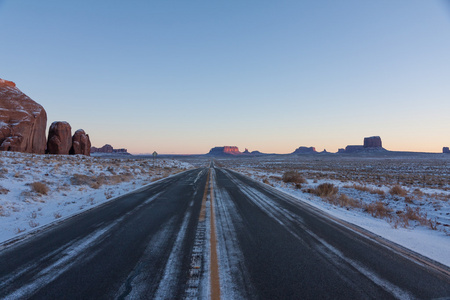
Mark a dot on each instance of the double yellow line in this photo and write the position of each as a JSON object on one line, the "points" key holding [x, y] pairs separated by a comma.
{"points": [[214, 263]]}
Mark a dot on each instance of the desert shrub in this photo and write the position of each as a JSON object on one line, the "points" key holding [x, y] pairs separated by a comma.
{"points": [[3, 212], [40, 188], [378, 210], [418, 192], [293, 176], [346, 201], [326, 190], [398, 190], [57, 215], [80, 179]]}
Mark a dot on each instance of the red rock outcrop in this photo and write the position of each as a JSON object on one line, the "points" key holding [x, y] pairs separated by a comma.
{"points": [[22, 121], [233, 150], [59, 138], [81, 144]]}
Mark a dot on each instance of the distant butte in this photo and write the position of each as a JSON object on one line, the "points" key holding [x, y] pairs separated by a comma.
{"points": [[371, 144], [225, 150], [305, 150]]}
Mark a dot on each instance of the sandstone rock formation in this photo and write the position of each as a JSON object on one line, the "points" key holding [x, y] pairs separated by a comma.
{"points": [[372, 142], [246, 151], [22, 121], [59, 138], [446, 150], [105, 149], [109, 149], [81, 143], [233, 150], [305, 150]]}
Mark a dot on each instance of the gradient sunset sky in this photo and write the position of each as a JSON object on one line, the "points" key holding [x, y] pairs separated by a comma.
{"points": [[185, 76]]}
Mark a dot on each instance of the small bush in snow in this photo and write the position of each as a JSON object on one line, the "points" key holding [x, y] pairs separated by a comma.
{"points": [[40, 188], [398, 190], [326, 190], [293, 176], [3, 191]]}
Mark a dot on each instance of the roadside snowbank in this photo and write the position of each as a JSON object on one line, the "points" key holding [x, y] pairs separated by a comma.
{"points": [[38, 189]]}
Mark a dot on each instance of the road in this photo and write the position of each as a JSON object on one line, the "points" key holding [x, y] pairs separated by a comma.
{"points": [[213, 233]]}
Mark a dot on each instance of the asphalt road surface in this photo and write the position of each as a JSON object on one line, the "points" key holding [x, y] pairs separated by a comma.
{"points": [[213, 233]]}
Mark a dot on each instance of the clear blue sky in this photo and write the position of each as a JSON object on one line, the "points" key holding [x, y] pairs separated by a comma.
{"points": [[184, 76]]}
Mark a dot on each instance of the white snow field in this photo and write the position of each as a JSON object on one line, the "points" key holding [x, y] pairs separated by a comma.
{"points": [[36, 190]]}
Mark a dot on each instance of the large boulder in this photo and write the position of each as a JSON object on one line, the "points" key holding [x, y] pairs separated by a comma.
{"points": [[59, 138], [81, 143], [372, 142], [22, 121]]}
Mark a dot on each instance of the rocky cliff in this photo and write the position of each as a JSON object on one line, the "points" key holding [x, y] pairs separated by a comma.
{"points": [[22, 121]]}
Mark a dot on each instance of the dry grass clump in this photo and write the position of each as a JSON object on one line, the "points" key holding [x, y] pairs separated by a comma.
{"points": [[96, 182], [293, 176], [40, 188], [398, 190], [325, 190], [364, 188], [3, 212], [3, 191], [378, 210], [344, 201]]}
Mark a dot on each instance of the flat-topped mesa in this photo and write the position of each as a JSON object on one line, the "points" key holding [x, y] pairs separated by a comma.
{"points": [[305, 150], [232, 150], [109, 149], [446, 150], [22, 121], [372, 142], [105, 149]]}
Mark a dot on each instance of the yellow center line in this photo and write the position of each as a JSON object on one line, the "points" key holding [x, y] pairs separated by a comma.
{"points": [[203, 208], [215, 282]]}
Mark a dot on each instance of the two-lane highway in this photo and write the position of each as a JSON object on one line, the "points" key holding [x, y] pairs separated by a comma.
{"points": [[210, 233]]}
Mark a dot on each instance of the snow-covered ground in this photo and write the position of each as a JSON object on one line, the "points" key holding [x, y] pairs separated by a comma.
{"points": [[425, 229], [36, 190]]}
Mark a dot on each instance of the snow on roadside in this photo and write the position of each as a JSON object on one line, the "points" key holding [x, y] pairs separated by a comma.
{"points": [[36, 190], [434, 244]]}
